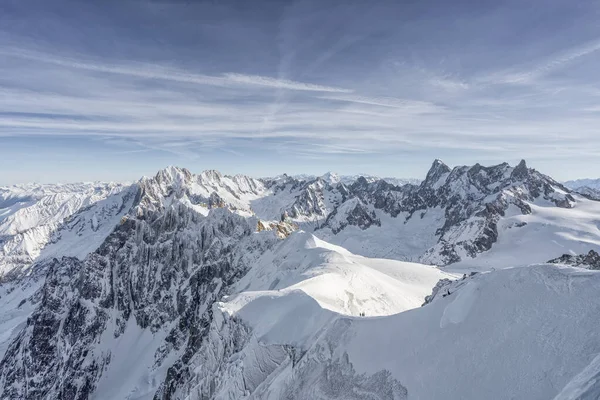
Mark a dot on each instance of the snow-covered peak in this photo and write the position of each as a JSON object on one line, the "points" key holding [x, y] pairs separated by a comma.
{"points": [[174, 177], [32, 215], [332, 178], [211, 177], [437, 173], [583, 183]]}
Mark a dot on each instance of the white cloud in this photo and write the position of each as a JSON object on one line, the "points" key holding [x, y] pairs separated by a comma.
{"points": [[449, 84], [558, 61], [69, 98], [413, 106], [280, 83], [150, 71]]}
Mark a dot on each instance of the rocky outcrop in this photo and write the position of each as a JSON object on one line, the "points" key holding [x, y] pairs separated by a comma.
{"points": [[353, 212], [160, 270], [589, 261], [283, 228], [472, 199], [173, 246]]}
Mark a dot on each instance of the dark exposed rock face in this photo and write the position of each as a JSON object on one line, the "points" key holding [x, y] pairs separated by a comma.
{"points": [[353, 213], [589, 261], [472, 199], [165, 265], [161, 269]]}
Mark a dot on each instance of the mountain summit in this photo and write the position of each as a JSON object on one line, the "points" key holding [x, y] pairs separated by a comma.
{"points": [[208, 286]]}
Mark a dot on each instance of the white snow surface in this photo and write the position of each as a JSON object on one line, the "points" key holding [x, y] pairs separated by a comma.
{"points": [[581, 183], [336, 279], [396, 238], [504, 334], [549, 233], [519, 329], [35, 220]]}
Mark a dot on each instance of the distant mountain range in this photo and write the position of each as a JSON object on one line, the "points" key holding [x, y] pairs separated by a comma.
{"points": [[208, 286], [334, 178], [580, 183]]}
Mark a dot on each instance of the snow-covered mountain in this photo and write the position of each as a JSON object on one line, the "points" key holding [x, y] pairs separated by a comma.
{"points": [[334, 178], [587, 187], [206, 286], [582, 183], [453, 216], [34, 220], [493, 335]]}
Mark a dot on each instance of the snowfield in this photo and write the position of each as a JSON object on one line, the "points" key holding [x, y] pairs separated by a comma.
{"points": [[529, 239], [504, 334], [207, 286], [33, 217], [336, 279]]}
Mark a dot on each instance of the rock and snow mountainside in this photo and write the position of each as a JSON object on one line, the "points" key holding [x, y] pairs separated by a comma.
{"points": [[503, 334], [590, 260], [34, 216], [139, 305], [334, 178], [451, 217], [583, 183], [511, 215], [185, 286], [40, 222], [151, 286]]}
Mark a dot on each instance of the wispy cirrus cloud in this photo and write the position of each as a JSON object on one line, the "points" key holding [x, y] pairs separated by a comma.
{"points": [[413, 106], [555, 62], [150, 71], [333, 84], [281, 83]]}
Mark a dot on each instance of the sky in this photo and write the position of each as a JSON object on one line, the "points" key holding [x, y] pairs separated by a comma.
{"points": [[113, 90]]}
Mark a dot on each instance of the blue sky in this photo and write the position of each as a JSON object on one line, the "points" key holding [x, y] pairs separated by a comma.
{"points": [[112, 90]]}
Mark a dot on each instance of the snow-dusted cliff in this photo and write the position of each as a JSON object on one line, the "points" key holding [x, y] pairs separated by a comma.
{"points": [[206, 286]]}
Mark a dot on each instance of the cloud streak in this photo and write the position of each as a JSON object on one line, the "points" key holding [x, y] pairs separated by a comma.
{"points": [[557, 62], [149, 71], [278, 85]]}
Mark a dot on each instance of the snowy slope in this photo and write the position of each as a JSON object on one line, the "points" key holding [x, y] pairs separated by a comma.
{"points": [[581, 183], [31, 216], [505, 334], [194, 286], [18, 302], [547, 231], [337, 279]]}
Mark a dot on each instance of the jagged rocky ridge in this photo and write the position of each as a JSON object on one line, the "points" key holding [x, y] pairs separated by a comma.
{"points": [[469, 200], [459, 209], [589, 261], [159, 270], [177, 242], [33, 218]]}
